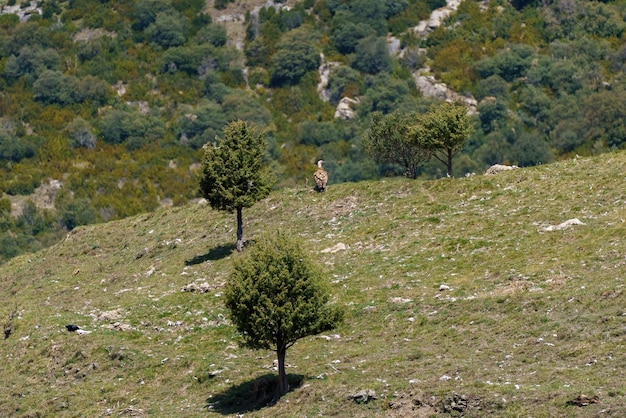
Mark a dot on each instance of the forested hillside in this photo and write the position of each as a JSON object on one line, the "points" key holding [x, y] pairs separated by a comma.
{"points": [[105, 105]]}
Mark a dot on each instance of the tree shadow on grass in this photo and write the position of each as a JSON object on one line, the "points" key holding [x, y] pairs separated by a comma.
{"points": [[214, 254], [252, 395]]}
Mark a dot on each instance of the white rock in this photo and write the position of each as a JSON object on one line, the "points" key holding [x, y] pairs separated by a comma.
{"points": [[563, 225], [345, 108], [400, 300], [498, 168], [340, 246]]}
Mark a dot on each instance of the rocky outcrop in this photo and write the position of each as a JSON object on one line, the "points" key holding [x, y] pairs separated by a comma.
{"points": [[324, 73], [23, 13], [436, 18], [427, 83], [345, 108], [430, 87]]}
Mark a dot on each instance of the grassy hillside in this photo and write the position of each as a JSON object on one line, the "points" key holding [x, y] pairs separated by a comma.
{"points": [[462, 296]]}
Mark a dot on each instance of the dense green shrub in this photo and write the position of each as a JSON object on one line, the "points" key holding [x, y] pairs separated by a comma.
{"points": [[509, 64], [296, 55], [167, 30], [14, 149], [120, 125], [221, 4], [214, 34], [371, 55], [530, 148], [80, 134], [75, 212], [319, 133], [146, 12]]}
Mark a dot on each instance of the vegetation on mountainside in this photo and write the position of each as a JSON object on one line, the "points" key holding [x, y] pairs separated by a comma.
{"points": [[115, 99], [460, 296]]}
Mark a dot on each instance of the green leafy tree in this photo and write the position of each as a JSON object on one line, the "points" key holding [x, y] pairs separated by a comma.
{"points": [[372, 55], [234, 173], [276, 296], [75, 212], [347, 33], [146, 12], [80, 134], [55, 87], [296, 55], [445, 129], [129, 126], [388, 142], [14, 149], [215, 34], [386, 94], [167, 30]]}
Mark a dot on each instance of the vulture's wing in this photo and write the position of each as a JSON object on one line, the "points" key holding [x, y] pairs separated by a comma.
{"points": [[321, 178]]}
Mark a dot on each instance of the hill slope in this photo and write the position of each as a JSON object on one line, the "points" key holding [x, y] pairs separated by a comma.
{"points": [[462, 296]]}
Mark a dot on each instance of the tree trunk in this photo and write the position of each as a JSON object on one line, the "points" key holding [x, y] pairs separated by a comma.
{"points": [[449, 162], [283, 384], [239, 230]]}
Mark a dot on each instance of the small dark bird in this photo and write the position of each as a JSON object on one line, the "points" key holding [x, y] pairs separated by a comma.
{"points": [[321, 177], [72, 327]]}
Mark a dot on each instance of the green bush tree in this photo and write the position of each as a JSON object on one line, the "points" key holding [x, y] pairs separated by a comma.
{"points": [[388, 142], [146, 12], [55, 87], [276, 296], [129, 125], [296, 55], [214, 34], [445, 129], [347, 33], [75, 212], [372, 55], [80, 134], [14, 149], [167, 30], [234, 174]]}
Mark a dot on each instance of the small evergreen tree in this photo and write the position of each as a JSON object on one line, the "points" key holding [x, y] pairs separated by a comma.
{"points": [[276, 296], [234, 173]]}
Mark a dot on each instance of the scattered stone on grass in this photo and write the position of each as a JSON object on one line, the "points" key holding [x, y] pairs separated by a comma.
{"points": [[498, 168], [201, 286], [340, 246], [363, 396], [400, 300], [563, 225]]}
